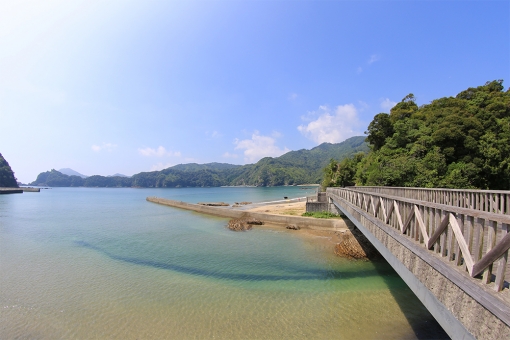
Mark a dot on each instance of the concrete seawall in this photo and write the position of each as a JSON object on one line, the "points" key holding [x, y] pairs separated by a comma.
{"points": [[302, 222], [19, 190]]}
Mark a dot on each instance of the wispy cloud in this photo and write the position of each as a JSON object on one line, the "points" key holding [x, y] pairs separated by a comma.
{"points": [[359, 70], [374, 58], [332, 126], [387, 104], [158, 152], [292, 96], [213, 134], [105, 146], [230, 155], [259, 146]]}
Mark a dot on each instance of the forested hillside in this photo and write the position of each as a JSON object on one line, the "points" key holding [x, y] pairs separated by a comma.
{"points": [[295, 167], [7, 179], [453, 142]]}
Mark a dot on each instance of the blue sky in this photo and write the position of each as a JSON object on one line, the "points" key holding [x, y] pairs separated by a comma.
{"points": [[107, 87]]}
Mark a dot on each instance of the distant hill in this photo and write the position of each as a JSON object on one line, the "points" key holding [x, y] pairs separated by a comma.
{"points": [[117, 175], [7, 179], [54, 178], [207, 166], [294, 167], [71, 172]]}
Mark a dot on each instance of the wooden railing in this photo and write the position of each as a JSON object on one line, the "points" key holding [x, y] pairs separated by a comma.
{"points": [[464, 234], [496, 201]]}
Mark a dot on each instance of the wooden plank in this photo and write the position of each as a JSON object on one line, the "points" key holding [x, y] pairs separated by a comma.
{"points": [[419, 219], [408, 221], [444, 235], [458, 257], [468, 233], [383, 209], [399, 218], [390, 211], [437, 223], [491, 239], [478, 239], [376, 207], [462, 243], [502, 263], [439, 231], [450, 242], [492, 255]]}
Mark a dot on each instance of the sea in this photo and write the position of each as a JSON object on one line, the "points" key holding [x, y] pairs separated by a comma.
{"points": [[103, 263]]}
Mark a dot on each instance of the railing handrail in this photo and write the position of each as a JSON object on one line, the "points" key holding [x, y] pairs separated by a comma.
{"points": [[473, 238], [435, 189], [482, 200], [503, 218]]}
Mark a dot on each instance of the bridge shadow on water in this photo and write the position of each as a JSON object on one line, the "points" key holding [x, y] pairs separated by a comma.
{"points": [[294, 273], [412, 308], [410, 305]]}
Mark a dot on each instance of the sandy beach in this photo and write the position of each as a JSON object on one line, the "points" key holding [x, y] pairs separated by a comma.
{"points": [[293, 208], [340, 241], [328, 238]]}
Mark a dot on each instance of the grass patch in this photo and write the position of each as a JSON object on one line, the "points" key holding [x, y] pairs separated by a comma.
{"points": [[320, 214]]}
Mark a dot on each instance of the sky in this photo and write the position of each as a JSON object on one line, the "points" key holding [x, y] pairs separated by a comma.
{"points": [[107, 87]]}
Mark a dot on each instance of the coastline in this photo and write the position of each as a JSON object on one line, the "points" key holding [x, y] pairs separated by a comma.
{"points": [[230, 212], [277, 215]]}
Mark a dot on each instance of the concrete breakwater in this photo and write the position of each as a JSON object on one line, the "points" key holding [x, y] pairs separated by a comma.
{"points": [[302, 222], [18, 190]]}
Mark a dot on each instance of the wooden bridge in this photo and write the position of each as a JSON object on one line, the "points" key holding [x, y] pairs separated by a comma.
{"points": [[449, 246]]}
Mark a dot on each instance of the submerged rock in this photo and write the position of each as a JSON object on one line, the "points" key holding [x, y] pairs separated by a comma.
{"points": [[243, 224]]}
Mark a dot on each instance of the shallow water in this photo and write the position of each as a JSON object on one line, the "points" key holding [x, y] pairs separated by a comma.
{"points": [[104, 263]]}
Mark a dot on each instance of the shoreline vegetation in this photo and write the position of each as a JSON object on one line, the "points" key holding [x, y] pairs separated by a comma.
{"points": [[460, 142]]}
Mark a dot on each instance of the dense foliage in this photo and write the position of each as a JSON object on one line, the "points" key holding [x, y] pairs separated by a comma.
{"points": [[7, 179], [55, 178], [295, 167], [453, 142]]}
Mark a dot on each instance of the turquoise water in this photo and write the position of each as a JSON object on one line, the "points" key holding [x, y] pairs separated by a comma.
{"points": [[104, 263]]}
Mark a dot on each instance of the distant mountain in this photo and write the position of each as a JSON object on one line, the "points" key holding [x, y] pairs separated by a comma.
{"points": [[206, 166], [294, 167], [71, 172], [7, 179], [117, 175], [55, 178]]}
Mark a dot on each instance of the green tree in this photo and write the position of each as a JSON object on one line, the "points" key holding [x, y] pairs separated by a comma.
{"points": [[7, 179], [378, 130], [453, 142]]}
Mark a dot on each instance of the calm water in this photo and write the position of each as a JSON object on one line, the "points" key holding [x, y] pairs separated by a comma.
{"points": [[104, 263]]}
